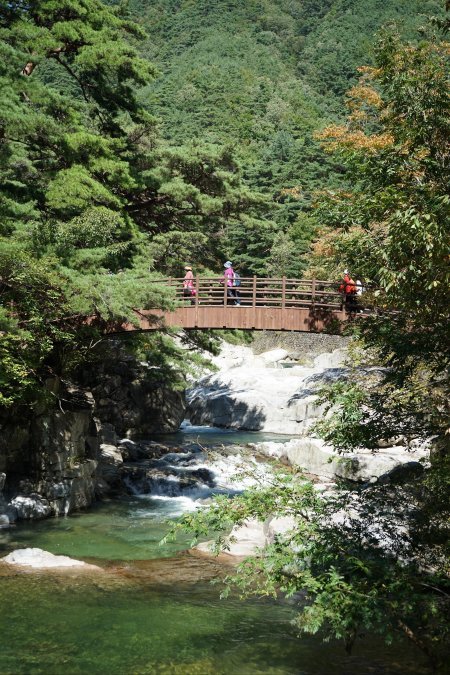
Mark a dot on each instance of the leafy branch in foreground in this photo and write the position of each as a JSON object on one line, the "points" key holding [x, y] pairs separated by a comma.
{"points": [[351, 564]]}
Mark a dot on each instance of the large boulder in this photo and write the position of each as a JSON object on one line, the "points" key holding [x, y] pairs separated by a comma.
{"points": [[258, 395], [392, 465], [247, 539], [33, 507], [314, 456], [110, 463], [274, 356]]}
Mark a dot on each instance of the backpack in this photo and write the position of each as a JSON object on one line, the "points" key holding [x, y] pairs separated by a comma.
{"points": [[236, 279], [350, 287]]}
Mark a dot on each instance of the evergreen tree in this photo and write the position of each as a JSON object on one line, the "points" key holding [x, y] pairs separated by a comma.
{"points": [[90, 197]]}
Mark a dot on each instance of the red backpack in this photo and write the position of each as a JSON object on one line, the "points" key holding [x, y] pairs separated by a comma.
{"points": [[350, 286]]}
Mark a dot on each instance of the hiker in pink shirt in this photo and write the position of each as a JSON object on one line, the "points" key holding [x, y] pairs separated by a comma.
{"points": [[228, 279], [188, 285]]}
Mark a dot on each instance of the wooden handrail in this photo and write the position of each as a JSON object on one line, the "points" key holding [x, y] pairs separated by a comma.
{"points": [[282, 292]]}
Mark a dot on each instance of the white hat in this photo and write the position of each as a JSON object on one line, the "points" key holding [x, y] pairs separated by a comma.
{"points": [[228, 264]]}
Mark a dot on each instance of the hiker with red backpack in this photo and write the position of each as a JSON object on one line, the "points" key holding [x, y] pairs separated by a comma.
{"points": [[349, 289]]}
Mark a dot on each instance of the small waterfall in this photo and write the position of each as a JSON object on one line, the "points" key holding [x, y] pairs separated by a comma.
{"points": [[190, 476]]}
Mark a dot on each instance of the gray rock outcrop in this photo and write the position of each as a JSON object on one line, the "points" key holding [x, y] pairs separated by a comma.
{"points": [[131, 397], [314, 456], [58, 460], [50, 459], [263, 393]]}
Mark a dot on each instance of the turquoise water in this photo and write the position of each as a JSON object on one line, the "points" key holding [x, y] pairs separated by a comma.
{"points": [[51, 625], [126, 529], [214, 436], [153, 610]]}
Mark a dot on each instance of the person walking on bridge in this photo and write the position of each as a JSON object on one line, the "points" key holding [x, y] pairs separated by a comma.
{"points": [[188, 284], [348, 288], [228, 279]]}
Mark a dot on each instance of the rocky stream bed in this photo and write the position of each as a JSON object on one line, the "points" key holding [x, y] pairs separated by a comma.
{"points": [[139, 606]]}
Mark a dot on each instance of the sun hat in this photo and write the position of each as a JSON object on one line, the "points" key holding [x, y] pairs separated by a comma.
{"points": [[188, 267], [228, 264]]}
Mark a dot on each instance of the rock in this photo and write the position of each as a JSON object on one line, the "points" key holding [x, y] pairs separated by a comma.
{"points": [[257, 396], [274, 355], [310, 454], [314, 456], [58, 490], [276, 526], [128, 400], [246, 539], [389, 465], [39, 559], [390, 442], [82, 488], [132, 451], [402, 472], [28, 508], [129, 450], [110, 455], [204, 476], [4, 521], [107, 434], [335, 359]]}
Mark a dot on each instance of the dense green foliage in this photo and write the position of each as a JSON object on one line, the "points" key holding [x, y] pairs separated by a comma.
{"points": [[91, 202], [262, 76], [98, 194], [97, 198], [392, 231]]}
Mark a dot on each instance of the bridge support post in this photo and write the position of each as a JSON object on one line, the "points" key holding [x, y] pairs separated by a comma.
{"points": [[254, 300], [197, 292]]}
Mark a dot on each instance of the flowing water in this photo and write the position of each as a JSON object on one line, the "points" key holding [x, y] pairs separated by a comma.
{"points": [[154, 609]]}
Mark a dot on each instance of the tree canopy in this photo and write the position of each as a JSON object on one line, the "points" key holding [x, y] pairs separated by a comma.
{"points": [[392, 230], [92, 200]]}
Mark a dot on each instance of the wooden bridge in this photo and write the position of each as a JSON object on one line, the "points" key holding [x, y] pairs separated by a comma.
{"points": [[257, 304]]}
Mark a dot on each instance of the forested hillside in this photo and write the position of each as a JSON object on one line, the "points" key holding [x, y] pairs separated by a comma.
{"points": [[91, 200], [261, 77]]}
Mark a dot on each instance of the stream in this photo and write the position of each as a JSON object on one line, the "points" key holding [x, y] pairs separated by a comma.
{"points": [[154, 610]]}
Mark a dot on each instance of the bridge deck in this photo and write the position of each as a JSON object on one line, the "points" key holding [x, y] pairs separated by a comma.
{"points": [[264, 304]]}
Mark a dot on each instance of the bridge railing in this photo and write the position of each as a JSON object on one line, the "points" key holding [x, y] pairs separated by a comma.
{"points": [[281, 292]]}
